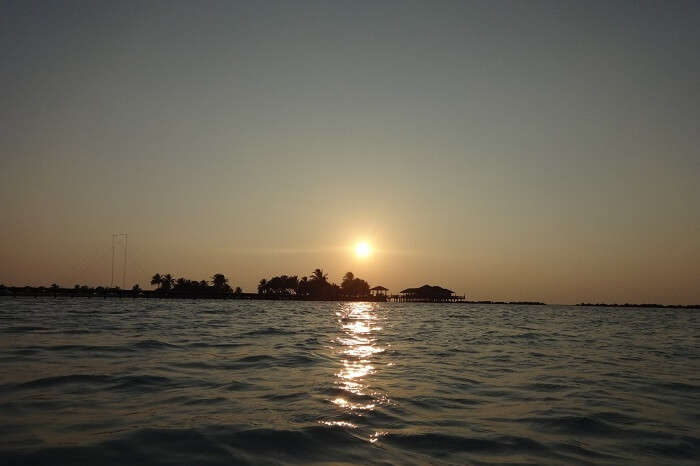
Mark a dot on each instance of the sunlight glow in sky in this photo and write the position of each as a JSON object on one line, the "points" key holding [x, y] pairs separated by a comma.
{"points": [[363, 249]]}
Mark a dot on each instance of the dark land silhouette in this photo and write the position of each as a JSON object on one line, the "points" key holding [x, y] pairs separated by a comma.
{"points": [[652, 305], [314, 287]]}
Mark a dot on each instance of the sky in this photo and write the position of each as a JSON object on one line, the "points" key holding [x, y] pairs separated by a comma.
{"points": [[507, 150]]}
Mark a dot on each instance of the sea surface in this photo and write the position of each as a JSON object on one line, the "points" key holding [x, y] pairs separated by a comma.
{"points": [[131, 381]]}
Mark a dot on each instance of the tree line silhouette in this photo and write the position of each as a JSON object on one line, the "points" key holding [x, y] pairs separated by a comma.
{"points": [[219, 286], [283, 287], [315, 286]]}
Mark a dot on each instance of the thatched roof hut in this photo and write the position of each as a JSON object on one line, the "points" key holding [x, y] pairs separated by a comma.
{"points": [[427, 292]]}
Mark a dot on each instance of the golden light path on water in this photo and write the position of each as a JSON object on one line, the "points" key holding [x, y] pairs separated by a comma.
{"points": [[356, 347]]}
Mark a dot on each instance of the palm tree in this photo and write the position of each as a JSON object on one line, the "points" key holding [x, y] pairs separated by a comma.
{"points": [[157, 280], [219, 281], [319, 275], [303, 287], [347, 282], [262, 286], [292, 284], [167, 282]]}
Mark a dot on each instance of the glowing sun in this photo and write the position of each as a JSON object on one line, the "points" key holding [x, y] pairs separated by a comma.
{"points": [[363, 249]]}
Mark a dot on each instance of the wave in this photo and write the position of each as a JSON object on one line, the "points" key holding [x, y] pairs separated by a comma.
{"points": [[266, 361], [685, 447], [201, 344], [608, 424], [90, 348], [66, 379], [578, 425], [434, 442], [285, 396], [84, 383], [237, 385], [126, 348], [255, 358], [152, 344], [268, 331], [23, 329], [210, 446], [545, 387], [679, 387]]}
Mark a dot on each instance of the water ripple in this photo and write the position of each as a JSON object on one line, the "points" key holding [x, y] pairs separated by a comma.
{"points": [[221, 382]]}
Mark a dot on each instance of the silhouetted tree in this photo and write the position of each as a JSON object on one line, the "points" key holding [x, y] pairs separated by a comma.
{"points": [[303, 287], [157, 280], [274, 285], [262, 286], [348, 277], [318, 275], [319, 288], [219, 281], [284, 285], [186, 287], [193, 288], [220, 284], [167, 282], [353, 287]]}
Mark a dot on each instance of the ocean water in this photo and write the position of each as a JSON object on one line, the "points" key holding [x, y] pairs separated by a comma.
{"points": [[93, 381]]}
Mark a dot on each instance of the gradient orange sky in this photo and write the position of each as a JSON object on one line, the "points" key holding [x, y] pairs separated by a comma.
{"points": [[506, 150]]}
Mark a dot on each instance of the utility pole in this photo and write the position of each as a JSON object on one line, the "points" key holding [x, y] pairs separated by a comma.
{"points": [[111, 281], [126, 241], [116, 237]]}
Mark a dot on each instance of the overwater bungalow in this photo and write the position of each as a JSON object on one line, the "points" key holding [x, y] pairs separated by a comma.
{"points": [[427, 294]]}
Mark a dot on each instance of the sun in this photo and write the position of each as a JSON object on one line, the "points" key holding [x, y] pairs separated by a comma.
{"points": [[363, 249]]}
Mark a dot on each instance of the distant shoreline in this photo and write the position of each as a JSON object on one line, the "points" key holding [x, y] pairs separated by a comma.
{"points": [[37, 292], [661, 306], [44, 292]]}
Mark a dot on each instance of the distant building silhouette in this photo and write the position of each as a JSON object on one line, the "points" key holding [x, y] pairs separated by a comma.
{"points": [[428, 294]]}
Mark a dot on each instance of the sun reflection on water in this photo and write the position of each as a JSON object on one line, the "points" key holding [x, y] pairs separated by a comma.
{"points": [[339, 423], [356, 347]]}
